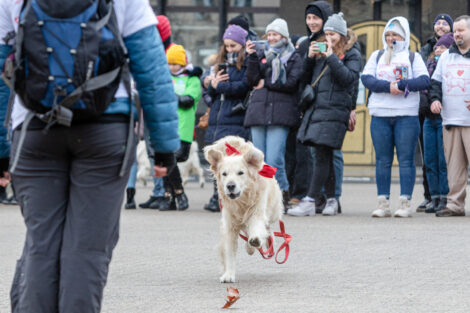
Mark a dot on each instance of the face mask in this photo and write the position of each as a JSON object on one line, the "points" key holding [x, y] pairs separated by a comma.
{"points": [[399, 46]]}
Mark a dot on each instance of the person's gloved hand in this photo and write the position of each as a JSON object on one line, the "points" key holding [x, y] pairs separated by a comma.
{"points": [[164, 164]]}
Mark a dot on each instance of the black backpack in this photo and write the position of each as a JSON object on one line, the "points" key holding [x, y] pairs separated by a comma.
{"points": [[67, 62]]}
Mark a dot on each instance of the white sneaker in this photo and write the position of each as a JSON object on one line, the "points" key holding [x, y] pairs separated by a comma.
{"points": [[383, 208], [331, 207], [405, 208], [305, 207]]}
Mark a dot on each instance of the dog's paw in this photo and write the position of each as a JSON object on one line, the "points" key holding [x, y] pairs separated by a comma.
{"points": [[255, 242], [227, 278], [249, 249]]}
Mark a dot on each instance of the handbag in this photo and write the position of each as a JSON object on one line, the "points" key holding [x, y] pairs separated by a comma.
{"points": [[204, 120], [308, 94], [242, 105]]}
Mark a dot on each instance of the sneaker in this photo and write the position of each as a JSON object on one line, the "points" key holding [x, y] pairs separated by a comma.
{"points": [[404, 209], [422, 206], [447, 213], [182, 201], [304, 208], [331, 207], [432, 208], [383, 208]]}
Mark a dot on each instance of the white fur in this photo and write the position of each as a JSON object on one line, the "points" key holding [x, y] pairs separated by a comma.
{"points": [[250, 202], [192, 166]]}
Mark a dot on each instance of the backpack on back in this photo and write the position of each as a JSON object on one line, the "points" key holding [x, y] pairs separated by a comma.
{"points": [[68, 59]]}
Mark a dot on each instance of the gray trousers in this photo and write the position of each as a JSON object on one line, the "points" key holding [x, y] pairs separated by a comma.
{"points": [[68, 186]]}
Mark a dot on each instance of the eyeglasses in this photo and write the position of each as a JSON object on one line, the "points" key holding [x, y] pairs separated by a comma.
{"points": [[443, 23]]}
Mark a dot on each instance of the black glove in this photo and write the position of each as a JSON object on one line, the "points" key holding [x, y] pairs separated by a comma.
{"points": [[167, 160], [185, 102], [4, 164]]}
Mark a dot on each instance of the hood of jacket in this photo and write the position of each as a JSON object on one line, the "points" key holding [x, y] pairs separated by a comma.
{"points": [[406, 27], [326, 11], [352, 41]]}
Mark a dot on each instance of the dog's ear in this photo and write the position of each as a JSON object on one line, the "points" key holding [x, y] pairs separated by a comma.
{"points": [[254, 158], [212, 156]]}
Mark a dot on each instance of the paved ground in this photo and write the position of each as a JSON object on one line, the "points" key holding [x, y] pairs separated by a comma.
{"points": [[167, 262]]}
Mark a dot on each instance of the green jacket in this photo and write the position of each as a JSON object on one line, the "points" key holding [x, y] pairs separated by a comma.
{"points": [[187, 86]]}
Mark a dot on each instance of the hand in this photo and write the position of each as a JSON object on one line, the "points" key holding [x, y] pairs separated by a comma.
{"points": [[164, 164], [329, 48], [260, 84], [160, 171], [394, 89], [207, 80], [5, 180], [250, 47], [313, 49], [436, 107], [467, 102], [219, 77], [352, 121]]}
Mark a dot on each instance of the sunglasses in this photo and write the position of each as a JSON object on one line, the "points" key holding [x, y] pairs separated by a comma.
{"points": [[443, 23]]}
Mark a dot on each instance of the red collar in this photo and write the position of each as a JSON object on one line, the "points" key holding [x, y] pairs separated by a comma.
{"points": [[267, 170]]}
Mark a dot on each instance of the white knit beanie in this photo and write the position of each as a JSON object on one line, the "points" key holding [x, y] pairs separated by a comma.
{"points": [[395, 27], [336, 23], [279, 26]]}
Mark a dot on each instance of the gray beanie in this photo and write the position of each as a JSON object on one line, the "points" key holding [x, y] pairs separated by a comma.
{"points": [[279, 26], [336, 23]]}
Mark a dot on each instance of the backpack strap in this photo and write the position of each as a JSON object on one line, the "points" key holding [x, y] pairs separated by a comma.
{"points": [[24, 128]]}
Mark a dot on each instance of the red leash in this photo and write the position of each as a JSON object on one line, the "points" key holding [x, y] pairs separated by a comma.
{"points": [[267, 171]]}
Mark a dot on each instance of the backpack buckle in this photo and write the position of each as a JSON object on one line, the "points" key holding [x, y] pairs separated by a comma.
{"points": [[63, 115]]}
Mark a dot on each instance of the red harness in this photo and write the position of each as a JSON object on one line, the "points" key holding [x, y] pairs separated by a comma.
{"points": [[267, 171]]}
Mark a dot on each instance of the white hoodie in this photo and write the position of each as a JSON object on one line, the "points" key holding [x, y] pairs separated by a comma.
{"points": [[386, 104]]}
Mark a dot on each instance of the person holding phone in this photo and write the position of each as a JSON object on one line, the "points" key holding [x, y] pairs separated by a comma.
{"points": [[274, 73], [227, 90], [326, 120]]}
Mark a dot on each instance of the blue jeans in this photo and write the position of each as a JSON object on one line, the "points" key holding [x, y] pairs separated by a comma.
{"points": [[338, 164], [133, 176], [436, 167], [402, 133], [271, 140], [158, 190]]}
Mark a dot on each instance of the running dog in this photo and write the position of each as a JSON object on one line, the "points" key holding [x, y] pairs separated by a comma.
{"points": [[250, 202]]}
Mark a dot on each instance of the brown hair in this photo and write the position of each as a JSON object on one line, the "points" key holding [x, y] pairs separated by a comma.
{"points": [[221, 58], [340, 48]]}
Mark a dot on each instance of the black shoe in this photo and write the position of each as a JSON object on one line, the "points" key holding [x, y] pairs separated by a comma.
{"points": [[442, 204], [130, 202], [168, 204], [432, 207], [339, 207], [155, 205], [320, 204], [447, 213], [182, 201], [146, 204], [422, 206], [213, 204]]}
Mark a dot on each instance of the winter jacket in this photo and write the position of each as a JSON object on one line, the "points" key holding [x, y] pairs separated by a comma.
{"points": [[377, 76], [425, 99], [4, 95], [188, 90], [273, 104], [222, 122], [326, 10], [428, 48], [325, 122]]}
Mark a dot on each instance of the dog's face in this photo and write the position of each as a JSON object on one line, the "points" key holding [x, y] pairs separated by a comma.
{"points": [[235, 173]]}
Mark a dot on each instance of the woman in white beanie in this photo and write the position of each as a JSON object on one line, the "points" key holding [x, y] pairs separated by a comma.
{"points": [[395, 77], [272, 111], [325, 121]]}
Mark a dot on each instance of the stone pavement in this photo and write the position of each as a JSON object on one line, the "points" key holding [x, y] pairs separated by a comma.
{"points": [[167, 261]]}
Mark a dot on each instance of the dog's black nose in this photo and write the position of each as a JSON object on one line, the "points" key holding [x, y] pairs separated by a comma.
{"points": [[231, 186]]}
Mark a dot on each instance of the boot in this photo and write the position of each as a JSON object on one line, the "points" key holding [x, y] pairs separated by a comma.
{"points": [[285, 200], [168, 203], [432, 208], [181, 201], [147, 204], [213, 204], [442, 204], [130, 203]]}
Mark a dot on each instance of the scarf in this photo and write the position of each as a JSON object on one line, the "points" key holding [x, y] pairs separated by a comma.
{"points": [[232, 58], [397, 47], [277, 55]]}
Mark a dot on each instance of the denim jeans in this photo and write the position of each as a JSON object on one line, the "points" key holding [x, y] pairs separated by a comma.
{"points": [[402, 133], [133, 176], [436, 167], [158, 189], [338, 164], [271, 140]]}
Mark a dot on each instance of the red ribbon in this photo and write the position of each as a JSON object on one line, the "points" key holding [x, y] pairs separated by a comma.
{"points": [[231, 150], [267, 170]]}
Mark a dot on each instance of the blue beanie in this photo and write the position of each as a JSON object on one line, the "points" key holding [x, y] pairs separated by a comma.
{"points": [[446, 17]]}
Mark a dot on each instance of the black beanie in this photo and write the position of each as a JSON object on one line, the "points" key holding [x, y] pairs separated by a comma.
{"points": [[241, 21], [313, 9]]}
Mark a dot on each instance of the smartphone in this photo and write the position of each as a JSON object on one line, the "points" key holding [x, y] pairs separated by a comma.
{"points": [[260, 44], [222, 67], [321, 46]]}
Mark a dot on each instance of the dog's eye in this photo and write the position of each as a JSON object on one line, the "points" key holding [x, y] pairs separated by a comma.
{"points": [[240, 173], [224, 174]]}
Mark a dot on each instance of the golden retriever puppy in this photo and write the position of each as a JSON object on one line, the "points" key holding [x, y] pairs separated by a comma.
{"points": [[250, 202]]}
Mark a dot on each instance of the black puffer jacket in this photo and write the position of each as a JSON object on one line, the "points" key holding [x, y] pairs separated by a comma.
{"points": [[325, 122], [273, 105]]}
